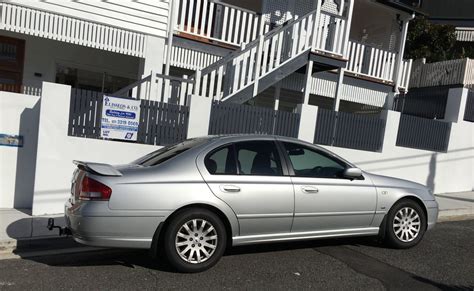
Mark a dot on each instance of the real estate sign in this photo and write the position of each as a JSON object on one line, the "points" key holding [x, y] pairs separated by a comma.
{"points": [[120, 118]]}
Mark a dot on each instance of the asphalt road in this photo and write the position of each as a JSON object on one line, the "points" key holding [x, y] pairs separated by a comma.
{"points": [[443, 260]]}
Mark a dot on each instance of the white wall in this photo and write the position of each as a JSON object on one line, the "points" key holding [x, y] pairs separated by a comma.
{"points": [[145, 16], [57, 150], [42, 56], [18, 116], [452, 171]]}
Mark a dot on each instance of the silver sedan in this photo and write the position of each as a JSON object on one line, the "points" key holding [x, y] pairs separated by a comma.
{"points": [[194, 199]]}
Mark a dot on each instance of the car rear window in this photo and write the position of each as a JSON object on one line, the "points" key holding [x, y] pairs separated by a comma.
{"points": [[168, 152]]}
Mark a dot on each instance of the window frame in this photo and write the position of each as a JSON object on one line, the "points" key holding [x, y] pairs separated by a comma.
{"points": [[314, 149]]}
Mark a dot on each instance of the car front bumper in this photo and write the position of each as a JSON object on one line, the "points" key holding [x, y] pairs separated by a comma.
{"points": [[432, 213]]}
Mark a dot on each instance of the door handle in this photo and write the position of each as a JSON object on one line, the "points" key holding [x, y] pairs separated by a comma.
{"points": [[309, 189], [229, 188]]}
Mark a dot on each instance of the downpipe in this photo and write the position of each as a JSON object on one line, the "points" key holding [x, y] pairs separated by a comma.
{"points": [[62, 230]]}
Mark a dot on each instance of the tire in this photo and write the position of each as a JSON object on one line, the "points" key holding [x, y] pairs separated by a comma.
{"points": [[189, 247], [405, 224]]}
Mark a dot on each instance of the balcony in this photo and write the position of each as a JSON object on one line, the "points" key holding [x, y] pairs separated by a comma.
{"points": [[377, 64]]}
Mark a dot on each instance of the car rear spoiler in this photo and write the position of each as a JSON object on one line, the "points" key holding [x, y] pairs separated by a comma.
{"points": [[98, 168]]}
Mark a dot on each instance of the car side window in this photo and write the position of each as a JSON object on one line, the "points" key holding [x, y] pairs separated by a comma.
{"points": [[258, 158], [308, 162], [221, 161]]}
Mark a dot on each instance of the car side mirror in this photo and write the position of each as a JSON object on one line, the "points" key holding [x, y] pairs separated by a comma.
{"points": [[353, 173]]}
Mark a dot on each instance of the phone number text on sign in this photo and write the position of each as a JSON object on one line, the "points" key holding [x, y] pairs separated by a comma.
{"points": [[120, 118]]}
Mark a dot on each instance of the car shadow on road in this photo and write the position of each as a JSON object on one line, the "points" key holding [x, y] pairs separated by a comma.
{"points": [[143, 258]]}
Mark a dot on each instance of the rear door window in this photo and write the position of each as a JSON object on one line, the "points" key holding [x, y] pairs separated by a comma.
{"points": [[221, 161], [258, 158]]}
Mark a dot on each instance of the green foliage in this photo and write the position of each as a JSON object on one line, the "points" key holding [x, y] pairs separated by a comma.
{"points": [[435, 42]]}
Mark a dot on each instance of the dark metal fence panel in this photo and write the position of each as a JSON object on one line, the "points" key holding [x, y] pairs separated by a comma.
{"points": [[85, 111], [359, 131], [423, 102], [325, 124], [469, 111], [160, 123], [232, 118], [349, 130], [287, 123], [421, 133]]}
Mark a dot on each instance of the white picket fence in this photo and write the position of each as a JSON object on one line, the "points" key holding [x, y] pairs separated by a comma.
{"points": [[54, 26], [452, 72], [217, 21]]}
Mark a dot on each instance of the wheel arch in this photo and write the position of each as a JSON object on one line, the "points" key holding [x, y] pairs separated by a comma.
{"points": [[383, 223], [161, 229]]}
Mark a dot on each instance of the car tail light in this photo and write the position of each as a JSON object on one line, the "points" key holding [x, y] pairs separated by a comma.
{"points": [[94, 190]]}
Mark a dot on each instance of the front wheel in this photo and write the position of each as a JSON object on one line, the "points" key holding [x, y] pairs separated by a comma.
{"points": [[195, 240], [406, 224]]}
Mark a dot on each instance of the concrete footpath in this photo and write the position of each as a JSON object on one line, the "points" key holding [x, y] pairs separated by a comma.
{"points": [[23, 235]]}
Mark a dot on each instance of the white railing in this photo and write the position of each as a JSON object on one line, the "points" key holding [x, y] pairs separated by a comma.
{"points": [[330, 33], [216, 21], [405, 72], [465, 34], [161, 88], [71, 30], [452, 72], [191, 59], [370, 61], [257, 59]]}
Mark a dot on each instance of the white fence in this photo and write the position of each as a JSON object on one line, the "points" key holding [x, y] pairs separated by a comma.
{"points": [[72, 30], [453, 72]]}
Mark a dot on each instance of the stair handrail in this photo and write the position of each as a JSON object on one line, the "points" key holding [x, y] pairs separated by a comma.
{"points": [[253, 43]]}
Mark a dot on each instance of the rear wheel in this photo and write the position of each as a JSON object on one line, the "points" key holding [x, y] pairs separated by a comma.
{"points": [[406, 224], [195, 240]]}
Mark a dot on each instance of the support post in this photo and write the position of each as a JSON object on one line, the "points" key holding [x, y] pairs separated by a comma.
{"points": [[308, 117], [340, 83], [401, 49], [307, 86], [199, 116], [277, 96], [348, 27], [456, 104]]}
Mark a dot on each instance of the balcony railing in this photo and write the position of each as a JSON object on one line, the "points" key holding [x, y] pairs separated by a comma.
{"points": [[216, 21], [376, 63]]}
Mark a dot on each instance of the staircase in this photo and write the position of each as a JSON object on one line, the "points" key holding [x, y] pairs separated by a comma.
{"points": [[256, 66]]}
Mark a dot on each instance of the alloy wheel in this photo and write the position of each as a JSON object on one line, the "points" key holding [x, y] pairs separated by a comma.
{"points": [[406, 224], [196, 241]]}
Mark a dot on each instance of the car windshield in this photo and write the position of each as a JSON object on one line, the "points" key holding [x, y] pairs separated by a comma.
{"points": [[168, 152]]}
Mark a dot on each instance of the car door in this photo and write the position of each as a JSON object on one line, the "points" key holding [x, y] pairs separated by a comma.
{"points": [[249, 177], [324, 199]]}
